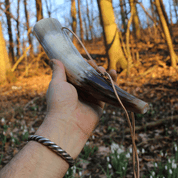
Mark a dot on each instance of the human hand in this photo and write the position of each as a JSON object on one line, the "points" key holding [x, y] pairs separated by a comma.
{"points": [[75, 114]]}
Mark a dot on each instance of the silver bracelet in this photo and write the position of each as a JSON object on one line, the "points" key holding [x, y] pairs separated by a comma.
{"points": [[51, 145]]}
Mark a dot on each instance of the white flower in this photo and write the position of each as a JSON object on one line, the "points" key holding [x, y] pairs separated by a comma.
{"points": [[118, 156], [170, 171], [104, 112], [109, 166], [166, 167], [162, 154], [169, 160], [130, 150], [174, 165], [151, 176], [32, 130], [165, 154], [143, 151], [93, 137], [107, 158], [175, 148], [153, 173], [3, 120], [80, 173], [123, 168], [74, 170], [113, 113], [67, 172], [4, 133], [156, 165], [13, 140], [112, 129], [11, 134], [87, 143], [127, 155], [138, 151]]}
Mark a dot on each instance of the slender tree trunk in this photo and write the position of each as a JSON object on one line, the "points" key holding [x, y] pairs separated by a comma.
{"points": [[39, 10], [135, 22], [18, 31], [175, 9], [166, 33], [124, 25], [86, 28], [4, 59], [48, 8], [74, 19], [115, 54], [28, 28], [80, 19], [89, 21], [11, 43]]}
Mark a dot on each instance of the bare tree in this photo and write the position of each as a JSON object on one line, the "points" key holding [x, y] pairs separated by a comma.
{"points": [[11, 43], [28, 27], [135, 22], [164, 24], [18, 30], [4, 59], [39, 10], [123, 15], [74, 19], [81, 24], [114, 50]]}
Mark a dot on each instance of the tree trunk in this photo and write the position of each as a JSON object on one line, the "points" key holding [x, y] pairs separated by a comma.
{"points": [[80, 19], [18, 31], [166, 33], [89, 21], [124, 25], [4, 59], [11, 43], [116, 58], [74, 19], [135, 22], [39, 11], [28, 28]]}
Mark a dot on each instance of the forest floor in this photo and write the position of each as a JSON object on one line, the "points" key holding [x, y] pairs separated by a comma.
{"points": [[23, 108]]}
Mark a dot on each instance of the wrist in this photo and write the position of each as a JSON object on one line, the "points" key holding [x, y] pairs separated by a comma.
{"points": [[65, 134]]}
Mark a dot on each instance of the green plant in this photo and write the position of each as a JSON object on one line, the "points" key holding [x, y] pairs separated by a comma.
{"points": [[88, 151], [108, 175]]}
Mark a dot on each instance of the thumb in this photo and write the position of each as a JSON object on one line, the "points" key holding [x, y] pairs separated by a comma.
{"points": [[58, 70]]}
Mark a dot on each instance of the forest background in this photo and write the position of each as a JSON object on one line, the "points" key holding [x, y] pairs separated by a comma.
{"points": [[144, 54]]}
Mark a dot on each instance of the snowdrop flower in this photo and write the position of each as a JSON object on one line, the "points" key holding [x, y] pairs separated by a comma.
{"points": [[13, 140], [123, 168], [67, 172], [175, 147], [4, 133], [153, 173], [166, 167], [87, 143], [170, 171], [109, 166], [104, 112], [113, 113], [162, 154], [165, 154], [169, 161], [74, 170], [174, 165], [118, 157], [107, 158], [130, 150], [3, 120], [151, 176], [128, 155], [11, 134], [156, 165], [93, 137], [143, 151], [138, 151], [32, 130], [80, 173], [112, 129]]}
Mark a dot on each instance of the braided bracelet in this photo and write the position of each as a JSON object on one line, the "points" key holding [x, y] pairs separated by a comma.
{"points": [[51, 145]]}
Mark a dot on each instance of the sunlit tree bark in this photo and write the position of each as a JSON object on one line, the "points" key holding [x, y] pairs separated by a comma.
{"points": [[28, 27], [166, 33], [74, 19], [115, 54], [123, 15], [81, 24], [18, 31], [39, 10], [135, 21], [5, 65], [11, 43]]}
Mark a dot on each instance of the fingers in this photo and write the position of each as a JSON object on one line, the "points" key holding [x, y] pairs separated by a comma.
{"points": [[113, 74], [58, 70]]}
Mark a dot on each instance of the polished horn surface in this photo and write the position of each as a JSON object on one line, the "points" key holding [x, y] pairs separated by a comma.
{"points": [[80, 73]]}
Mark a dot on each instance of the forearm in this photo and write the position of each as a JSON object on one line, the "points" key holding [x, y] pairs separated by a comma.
{"points": [[37, 161]]}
